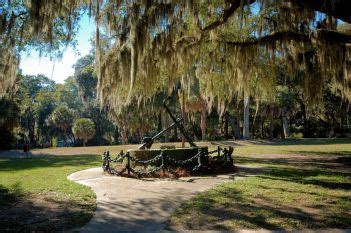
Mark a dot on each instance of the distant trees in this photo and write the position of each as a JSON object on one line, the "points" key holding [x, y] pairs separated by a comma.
{"points": [[85, 79], [63, 118], [9, 120], [35, 99], [36, 103], [84, 129], [227, 43]]}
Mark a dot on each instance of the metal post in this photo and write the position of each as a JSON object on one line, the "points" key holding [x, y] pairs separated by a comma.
{"points": [[163, 164], [128, 164]]}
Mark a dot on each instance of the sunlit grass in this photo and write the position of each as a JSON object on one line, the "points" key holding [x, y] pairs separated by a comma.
{"points": [[293, 193], [47, 177], [296, 193]]}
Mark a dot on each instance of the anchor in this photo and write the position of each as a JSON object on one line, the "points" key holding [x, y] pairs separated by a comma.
{"points": [[177, 123]]}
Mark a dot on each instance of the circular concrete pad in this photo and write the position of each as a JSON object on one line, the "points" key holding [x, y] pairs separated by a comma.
{"points": [[128, 204]]}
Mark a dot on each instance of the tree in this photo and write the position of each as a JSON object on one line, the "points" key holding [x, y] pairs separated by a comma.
{"points": [[174, 48], [9, 120], [67, 93], [36, 103], [85, 79], [84, 129], [246, 130], [25, 25], [44, 105], [145, 46], [63, 118]]}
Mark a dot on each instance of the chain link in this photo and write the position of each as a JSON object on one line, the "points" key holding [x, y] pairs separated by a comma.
{"points": [[196, 162]]}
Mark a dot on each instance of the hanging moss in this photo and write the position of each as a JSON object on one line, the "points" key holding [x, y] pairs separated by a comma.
{"points": [[145, 46], [8, 69]]}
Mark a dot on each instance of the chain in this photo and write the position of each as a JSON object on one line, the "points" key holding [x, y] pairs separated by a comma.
{"points": [[167, 162]]}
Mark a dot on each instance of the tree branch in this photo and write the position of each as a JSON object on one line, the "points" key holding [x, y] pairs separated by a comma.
{"points": [[332, 35], [295, 36], [337, 8], [278, 36], [225, 15]]}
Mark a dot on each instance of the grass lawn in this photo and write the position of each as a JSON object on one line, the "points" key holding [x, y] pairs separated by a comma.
{"points": [[36, 195], [306, 184]]}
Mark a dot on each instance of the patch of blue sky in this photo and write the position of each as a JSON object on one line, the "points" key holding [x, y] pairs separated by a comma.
{"points": [[60, 69]]}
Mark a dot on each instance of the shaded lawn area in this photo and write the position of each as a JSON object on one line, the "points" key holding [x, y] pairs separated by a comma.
{"points": [[306, 146], [310, 189], [308, 186], [35, 194]]}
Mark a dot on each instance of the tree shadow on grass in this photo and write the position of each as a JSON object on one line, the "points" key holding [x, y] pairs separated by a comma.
{"points": [[334, 161], [306, 170], [288, 142], [231, 206], [235, 207], [207, 212], [311, 176], [23, 212], [15, 164], [323, 153]]}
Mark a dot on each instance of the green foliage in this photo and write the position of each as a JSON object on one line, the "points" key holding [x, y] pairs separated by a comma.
{"points": [[67, 93], [38, 96], [85, 79], [62, 117], [84, 129], [9, 120], [296, 135], [54, 142]]}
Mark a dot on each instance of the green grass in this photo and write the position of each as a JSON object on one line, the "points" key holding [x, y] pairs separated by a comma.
{"points": [[335, 146], [310, 191], [22, 180]]}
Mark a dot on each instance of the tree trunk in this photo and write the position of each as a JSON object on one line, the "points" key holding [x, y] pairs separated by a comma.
{"points": [[231, 121], [254, 119], [84, 142], [65, 136], [160, 121], [165, 125], [176, 134], [183, 114], [203, 124], [262, 127], [226, 125], [246, 129], [286, 127], [124, 137], [271, 125], [237, 133], [306, 132]]}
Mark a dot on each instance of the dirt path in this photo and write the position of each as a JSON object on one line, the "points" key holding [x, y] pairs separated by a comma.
{"points": [[126, 204]]}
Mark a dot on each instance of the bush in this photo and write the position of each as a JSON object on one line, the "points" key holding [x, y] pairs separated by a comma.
{"points": [[54, 142], [296, 135], [84, 129]]}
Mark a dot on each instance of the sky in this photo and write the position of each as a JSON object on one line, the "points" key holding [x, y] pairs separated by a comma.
{"points": [[33, 64]]}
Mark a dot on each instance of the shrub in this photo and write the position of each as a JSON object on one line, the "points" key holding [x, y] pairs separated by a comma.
{"points": [[54, 142], [84, 129], [296, 135]]}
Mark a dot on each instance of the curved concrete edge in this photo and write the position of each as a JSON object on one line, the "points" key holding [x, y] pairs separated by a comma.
{"points": [[87, 174], [135, 205], [132, 205]]}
